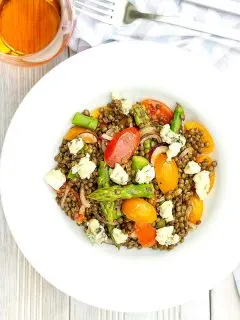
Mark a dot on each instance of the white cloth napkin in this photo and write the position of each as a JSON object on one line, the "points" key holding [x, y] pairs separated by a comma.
{"points": [[223, 54]]}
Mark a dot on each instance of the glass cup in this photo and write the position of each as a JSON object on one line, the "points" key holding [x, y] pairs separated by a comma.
{"points": [[55, 47]]}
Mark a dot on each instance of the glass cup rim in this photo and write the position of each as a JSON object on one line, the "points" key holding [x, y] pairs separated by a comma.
{"points": [[19, 59]]}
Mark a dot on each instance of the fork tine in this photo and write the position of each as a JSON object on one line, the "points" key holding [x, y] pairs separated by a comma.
{"points": [[102, 18], [88, 5], [108, 5]]}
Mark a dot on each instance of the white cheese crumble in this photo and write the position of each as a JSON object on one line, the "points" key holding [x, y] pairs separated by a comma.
{"points": [[55, 178], [166, 210], [75, 145], [85, 167], [126, 106], [173, 150], [192, 168], [119, 175], [96, 232], [119, 236], [145, 175], [202, 183], [165, 236], [170, 137]]}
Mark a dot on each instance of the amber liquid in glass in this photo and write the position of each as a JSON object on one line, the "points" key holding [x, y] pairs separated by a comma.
{"points": [[28, 26]]}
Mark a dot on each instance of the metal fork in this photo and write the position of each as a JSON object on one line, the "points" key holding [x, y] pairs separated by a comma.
{"points": [[107, 11], [119, 12]]}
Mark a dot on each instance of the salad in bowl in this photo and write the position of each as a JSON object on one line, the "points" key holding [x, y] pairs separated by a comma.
{"points": [[134, 174]]}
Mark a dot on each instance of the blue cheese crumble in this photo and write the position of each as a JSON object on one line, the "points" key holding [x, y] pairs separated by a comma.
{"points": [[169, 137], [166, 210], [165, 236], [96, 232], [85, 167], [55, 179], [75, 145], [119, 175], [145, 175], [119, 236]]}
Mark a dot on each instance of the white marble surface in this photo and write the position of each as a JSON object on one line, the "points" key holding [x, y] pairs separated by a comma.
{"points": [[24, 295]]}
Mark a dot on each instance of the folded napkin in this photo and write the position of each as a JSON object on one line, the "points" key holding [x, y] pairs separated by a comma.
{"points": [[225, 54]]}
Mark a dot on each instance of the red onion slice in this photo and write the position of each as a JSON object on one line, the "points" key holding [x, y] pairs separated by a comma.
{"points": [[156, 151], [106, 137], [184, 153], [88, 137], [84, 201], [148, 130], [111, 132], [64, 196], [151, 136]]}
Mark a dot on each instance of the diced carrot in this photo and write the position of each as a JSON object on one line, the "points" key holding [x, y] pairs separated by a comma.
{"points": [[146, 234], [79, 218]]}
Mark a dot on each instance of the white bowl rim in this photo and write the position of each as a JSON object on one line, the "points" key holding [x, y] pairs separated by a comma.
{"points": [[208, 273]]}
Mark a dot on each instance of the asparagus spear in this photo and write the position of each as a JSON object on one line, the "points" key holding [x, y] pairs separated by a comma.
{"points": [[103, 175], [123, 192], [108, 208], [81, 120], [176, 122], [109, 211], [140, 115]]}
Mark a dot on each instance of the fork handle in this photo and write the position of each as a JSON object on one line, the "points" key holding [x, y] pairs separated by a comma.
{"points": [[218, 31]]}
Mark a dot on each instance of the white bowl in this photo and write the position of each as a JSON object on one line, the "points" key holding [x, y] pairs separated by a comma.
{"points": [[125, 280]]}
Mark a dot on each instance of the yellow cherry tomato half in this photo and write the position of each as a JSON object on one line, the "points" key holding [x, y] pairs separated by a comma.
{"points": [[197, 210], [166, 173], [139, 210]]}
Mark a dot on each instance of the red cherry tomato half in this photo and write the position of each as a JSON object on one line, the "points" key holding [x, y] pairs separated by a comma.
{"points": [[122, 146], [158, 110]]}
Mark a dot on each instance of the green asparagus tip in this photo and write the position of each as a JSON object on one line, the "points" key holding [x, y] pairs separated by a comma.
{"points": [[176, 122], [179, 109]]}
